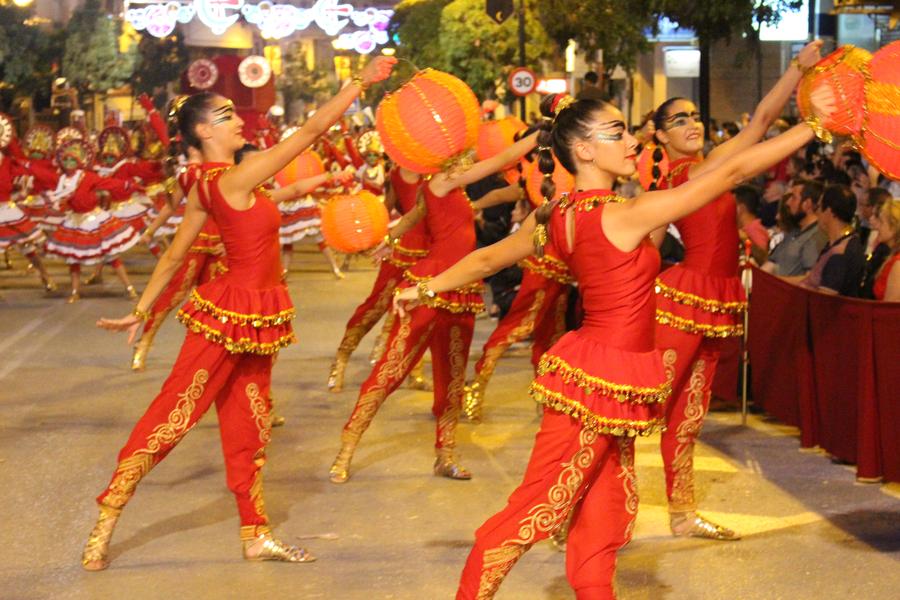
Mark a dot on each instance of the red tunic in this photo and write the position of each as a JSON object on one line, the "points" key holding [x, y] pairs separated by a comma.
{"points": [[549, 266], [412, 245], [450, 226], [703, 293], [879, 289], [607, 373], [247, 310]]}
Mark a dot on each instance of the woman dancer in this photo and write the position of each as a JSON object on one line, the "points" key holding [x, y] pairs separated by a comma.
{"points": [[700, 300], [236, 322], [444, 325], [604, 383]]}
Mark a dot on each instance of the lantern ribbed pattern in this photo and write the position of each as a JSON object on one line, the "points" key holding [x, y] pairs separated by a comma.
{"points": [[496, 136], [844, 71], [879, 138], [354, 223], [305, 165], [430, 122], [564, 181]]}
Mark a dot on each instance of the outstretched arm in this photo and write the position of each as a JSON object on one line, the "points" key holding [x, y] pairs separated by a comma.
{"points": [[510, 193], [442, 183]]}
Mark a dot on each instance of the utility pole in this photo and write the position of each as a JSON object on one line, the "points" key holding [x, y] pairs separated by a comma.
{"points": [[522, 114]]}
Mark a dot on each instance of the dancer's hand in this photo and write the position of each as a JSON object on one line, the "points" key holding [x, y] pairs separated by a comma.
{"points": [[810, 54], [218, 249], [405, 300], [130, 323], [823, 102], [377, 69], [381, 252]]}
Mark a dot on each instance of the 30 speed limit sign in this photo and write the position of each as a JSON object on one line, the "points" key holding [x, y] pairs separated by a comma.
{"points": [[522, 81]]}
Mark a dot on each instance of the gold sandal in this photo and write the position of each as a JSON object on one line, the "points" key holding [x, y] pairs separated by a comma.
{"points": [[336, 376], [693, 525], [340, 469], [273, 549], [95, 554], [445, 465]]}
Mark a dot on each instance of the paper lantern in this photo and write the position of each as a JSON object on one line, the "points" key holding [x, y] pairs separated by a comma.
{"points": [[645, 166], [844, 71], [496, 136], [564, 181], [305, 165], [430, 123], [879, 138], [354, 223]]}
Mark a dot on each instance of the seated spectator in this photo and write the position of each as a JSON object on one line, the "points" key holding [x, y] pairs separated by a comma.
{"points": [[839, 269], [748, 199], [774, 190], [869, 207], [803, 240], [886, 277]]}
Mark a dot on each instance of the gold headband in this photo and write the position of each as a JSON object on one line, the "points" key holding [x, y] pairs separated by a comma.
{"points": [[564, 103]]}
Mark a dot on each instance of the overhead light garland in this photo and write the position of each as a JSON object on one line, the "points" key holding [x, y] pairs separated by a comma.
{"points": [[274, 20]]}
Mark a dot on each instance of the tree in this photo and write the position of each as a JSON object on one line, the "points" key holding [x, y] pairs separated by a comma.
{"points": [[28, 55], [93, 61], [417, 24], [299, 82], [160, 61]]}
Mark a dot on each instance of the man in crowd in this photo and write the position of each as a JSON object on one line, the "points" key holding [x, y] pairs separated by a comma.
{"points": [[795, 256]]}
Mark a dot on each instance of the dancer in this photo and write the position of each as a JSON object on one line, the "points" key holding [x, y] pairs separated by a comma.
{"points": [[605, 382], [235, 322], [700, 301], [411, 246], [445, 325]]}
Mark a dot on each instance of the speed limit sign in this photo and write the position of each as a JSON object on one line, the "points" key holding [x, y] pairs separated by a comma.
{"points": [[522, 81]]}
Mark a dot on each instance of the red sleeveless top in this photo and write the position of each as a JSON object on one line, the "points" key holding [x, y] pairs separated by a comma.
{"points": [[608, 372], [248, 309], [550, 265], [703, 294], [208, 238], [450, 226], [413, 245]]}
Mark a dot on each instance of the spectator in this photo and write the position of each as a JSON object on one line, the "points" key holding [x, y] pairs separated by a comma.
{"points": [[885, 277], [769, 207], [839, 269], [591, 89], [803, 240], [870, 206], [747, 198]]}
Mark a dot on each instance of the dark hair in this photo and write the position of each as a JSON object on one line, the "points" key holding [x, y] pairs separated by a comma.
{"points": [[556, 134], [811, 190], [591, 77], [240, 154], [731, 128], [749, 197], [840, 200], [878, 197], [659, 120]]}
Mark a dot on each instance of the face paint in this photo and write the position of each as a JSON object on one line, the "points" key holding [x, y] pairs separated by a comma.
{"points": [[223, 114], [682, 119], [614, 131], [69, 163]]}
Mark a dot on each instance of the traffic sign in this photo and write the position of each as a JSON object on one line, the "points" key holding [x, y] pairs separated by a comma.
{"points": [[499, 10], [522, 81]]}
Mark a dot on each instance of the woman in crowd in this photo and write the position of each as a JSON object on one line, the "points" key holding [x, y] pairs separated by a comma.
{"points": [[887, 278]]}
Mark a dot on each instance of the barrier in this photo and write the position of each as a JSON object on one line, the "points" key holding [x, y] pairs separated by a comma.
{"points": [[829, 365]]}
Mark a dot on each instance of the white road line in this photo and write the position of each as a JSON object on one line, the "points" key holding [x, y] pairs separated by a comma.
{"points": [[26, 329], [40, 340]]}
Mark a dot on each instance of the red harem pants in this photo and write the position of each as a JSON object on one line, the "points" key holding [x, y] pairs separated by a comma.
{"points": [[448, 335], [694, 367], [205, 373], [572, 470], [539, 307], [197, 269], [372, 308]]}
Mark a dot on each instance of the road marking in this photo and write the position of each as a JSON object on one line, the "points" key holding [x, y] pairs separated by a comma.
{"points": [[26, 329], [40, 340]]}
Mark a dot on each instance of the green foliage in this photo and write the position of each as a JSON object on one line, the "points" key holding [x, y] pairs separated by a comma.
{"points": [[92, 61], [299, 82], [714, 21], [159, 61], [27, 54], [417, 23]]}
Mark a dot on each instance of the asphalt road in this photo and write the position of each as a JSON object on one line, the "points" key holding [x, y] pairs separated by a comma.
{"points": [[394, 531]]}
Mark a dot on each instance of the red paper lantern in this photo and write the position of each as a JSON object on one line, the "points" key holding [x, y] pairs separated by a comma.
{"points": [[645, 166], [879, 138], [564, 181], [430, 123], [354, 223], [844, 71], [305, 165], [496, 136]]}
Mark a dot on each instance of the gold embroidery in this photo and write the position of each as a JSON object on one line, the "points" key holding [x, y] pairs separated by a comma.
{"points": [[256, 494], [495, 565], [538, 266], [629, 483], [705, 304], [475, 305], [251, 532], [355, 333], [682, 467], [159, 315], [241, 346], [600, 424], [619, 391], [128, 473], [225, 316], [689, 326], [669, 358], [415, 252], [259, 407], [589, 203], [402, 264], [455, 390], [677, 171]]}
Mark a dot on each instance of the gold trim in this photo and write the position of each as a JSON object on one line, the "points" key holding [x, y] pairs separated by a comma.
{"points": [[689, 326], [682, 466], [707, 304], [622, 392], [418, 253], [452, 306], [251, 532], [629, 483], [537, 266], [224, 316], [241, 346], [589, 203]]}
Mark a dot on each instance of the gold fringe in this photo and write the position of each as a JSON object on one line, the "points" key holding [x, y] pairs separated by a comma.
{"points": [[241, 346], [224, 316], [589, 203], [619, 391], [692, 300], [592, 421], [689, 326]]}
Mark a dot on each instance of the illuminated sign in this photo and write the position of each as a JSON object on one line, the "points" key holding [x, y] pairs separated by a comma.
{"points": [[274, 20], [681, 61], [552, 86]]}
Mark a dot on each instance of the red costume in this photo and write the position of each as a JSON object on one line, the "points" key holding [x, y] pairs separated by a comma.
{"points": [[879, 289], [699, 302], [15, 225], [201, 264], [601, 385], [235, 323]]}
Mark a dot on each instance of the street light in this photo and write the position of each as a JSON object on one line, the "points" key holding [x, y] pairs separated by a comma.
{"points": [[22, 3]]}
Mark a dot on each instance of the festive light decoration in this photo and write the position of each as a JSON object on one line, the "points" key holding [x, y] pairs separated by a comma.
{"points": [[564, 181], [844, 71], [305, 165], [203, 74], [354, 223], [496, 136], [430, 123], [254, 71], [879, 137], [7, 131], [274, 20]]}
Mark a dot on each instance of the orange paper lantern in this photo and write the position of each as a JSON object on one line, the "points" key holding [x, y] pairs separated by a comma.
{"points": [[496, 136], [354, 223], [879, 138], [430, 123], [563, 180], [305, 165], [844, 71]]}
